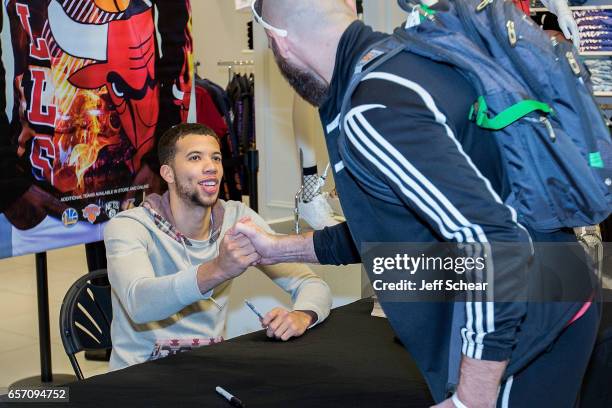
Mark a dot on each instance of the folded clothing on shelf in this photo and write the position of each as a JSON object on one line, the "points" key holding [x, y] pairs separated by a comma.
{"points": [[595, 27], [601, 74]]}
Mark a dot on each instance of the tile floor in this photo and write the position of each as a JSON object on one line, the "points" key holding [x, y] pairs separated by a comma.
{"points": [[19, 350]]}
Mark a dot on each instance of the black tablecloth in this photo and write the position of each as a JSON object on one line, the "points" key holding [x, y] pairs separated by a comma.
{"points": [[351, 360]]}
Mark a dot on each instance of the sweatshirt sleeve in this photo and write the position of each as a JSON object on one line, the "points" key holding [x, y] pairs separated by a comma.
{"points": [[335, 246], [396, 130], [307, 290], [145, 296]]}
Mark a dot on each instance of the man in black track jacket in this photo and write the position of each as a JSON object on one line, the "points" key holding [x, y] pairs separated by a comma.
{"points": [[407, 128]]}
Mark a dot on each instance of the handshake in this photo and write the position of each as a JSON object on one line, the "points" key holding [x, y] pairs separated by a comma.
{"points": [[244, 245]]}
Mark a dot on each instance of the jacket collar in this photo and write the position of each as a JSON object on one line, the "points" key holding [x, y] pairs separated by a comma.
{"points": [[355, 40]]}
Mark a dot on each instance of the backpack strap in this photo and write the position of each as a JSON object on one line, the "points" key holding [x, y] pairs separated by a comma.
{"points": [[371, 59], [479, 113]]}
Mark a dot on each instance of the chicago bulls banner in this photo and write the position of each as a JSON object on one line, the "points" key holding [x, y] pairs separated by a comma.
{"points": [[88, 88]]}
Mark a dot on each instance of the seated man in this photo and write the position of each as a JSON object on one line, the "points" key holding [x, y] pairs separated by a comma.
{"points": [[171, 261]]}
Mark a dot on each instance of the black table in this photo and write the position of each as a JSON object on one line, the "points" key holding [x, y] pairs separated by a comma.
{"points": [[351, 360]]}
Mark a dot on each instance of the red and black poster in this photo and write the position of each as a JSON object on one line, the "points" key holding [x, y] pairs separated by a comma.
{"points": [[88, 88]]}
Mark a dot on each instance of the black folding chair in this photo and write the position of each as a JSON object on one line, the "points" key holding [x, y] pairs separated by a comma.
{"points": [[85, 316]]}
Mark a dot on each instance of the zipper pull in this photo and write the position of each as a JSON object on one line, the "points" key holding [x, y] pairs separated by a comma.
{"points": [[554, 41], [573, 63], [511, 33], [483, 4], [549, 128]]}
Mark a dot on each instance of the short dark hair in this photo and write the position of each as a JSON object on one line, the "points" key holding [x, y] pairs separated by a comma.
{"points": [[166, 148]]}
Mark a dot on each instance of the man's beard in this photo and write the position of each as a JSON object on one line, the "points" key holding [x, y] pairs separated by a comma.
{"points": [[192, 196], [306, 84]]}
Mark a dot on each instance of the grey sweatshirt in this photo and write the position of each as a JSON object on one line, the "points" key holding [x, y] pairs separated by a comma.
{"points": [[152, 270]]}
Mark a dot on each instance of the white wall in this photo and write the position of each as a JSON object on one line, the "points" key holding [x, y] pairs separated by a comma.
{"points": [[219, 33], [383, 15]]}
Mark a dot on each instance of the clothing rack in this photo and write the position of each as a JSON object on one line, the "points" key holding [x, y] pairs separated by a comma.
{"points": [[251, 156], [231, 65]]}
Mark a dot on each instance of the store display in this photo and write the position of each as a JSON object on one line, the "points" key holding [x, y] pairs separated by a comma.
{"points": [[92, 85]]}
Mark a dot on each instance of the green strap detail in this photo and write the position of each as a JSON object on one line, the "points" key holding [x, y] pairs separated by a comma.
{"points": [[595, 160], [427, 10], [506, 117]]}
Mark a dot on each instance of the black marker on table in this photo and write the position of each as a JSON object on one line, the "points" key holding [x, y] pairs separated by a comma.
{"points": [[235, 402]]}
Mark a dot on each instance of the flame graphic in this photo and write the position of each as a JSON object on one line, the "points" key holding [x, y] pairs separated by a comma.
{"points": [[81, 133]]}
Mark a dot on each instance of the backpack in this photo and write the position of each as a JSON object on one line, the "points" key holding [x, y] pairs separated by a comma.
{"points": [[535, 99]]}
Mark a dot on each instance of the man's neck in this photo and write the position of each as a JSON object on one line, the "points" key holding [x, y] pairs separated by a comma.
{"points": [[191, 220], [327, 64]]}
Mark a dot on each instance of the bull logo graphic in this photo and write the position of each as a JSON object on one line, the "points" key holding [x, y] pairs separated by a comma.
{"points": [[124, 51]]}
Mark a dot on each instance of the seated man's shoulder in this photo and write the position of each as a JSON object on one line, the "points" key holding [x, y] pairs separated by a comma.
{"points": [[235, 209], [126, 223]]}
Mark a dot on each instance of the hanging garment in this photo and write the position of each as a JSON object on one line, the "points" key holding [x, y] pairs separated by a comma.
{"points": [[209, 115], [236, 96], [224, 106], [522, 5], [13, 180]]}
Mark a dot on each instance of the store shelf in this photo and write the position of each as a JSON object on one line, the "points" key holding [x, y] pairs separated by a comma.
{"points": [[596, 54], [602, 94], [573, 8], [601, 7]]}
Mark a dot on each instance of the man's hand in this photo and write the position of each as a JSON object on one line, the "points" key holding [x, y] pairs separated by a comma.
{"points": [[263, 242], [282, 324], [275, 249], [236, 254]]}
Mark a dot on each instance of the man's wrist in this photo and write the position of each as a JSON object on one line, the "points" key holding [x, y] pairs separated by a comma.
{"points": [[479, 382], [457, 402], [209, 275], [309, 315], [294, 248]]}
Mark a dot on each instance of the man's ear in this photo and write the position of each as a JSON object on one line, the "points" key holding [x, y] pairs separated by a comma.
{"points": [[352, 4], [281, 43], [167, 173]]}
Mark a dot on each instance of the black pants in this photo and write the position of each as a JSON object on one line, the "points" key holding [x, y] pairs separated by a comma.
{"points": [[554, 378]]}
